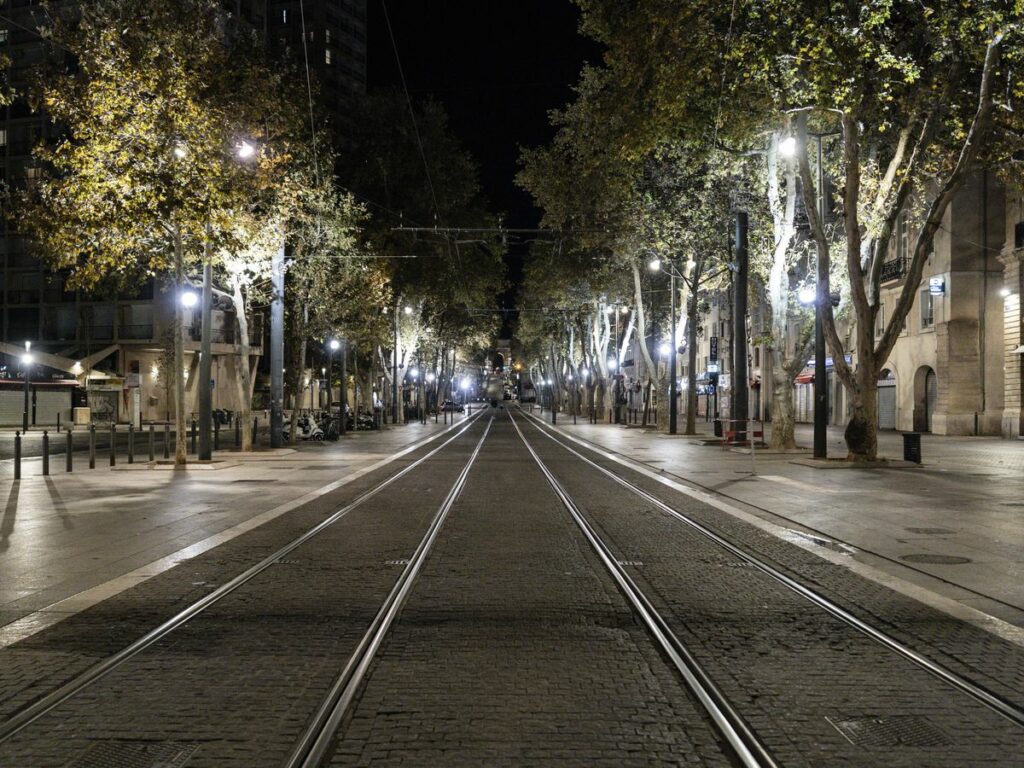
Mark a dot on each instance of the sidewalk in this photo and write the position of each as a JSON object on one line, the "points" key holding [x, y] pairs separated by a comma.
{"points": [[108, 528], [953, 526]]}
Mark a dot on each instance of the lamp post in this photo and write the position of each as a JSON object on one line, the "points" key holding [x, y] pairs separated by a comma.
{"points": [[656, 265], [332, 345], [26, 370], [788, 148], [205, 452], [343, 392]]}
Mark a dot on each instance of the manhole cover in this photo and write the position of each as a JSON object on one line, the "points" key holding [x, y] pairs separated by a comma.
{"points": [[899, 731], [930, 530], [935, 559], [135, 754]]}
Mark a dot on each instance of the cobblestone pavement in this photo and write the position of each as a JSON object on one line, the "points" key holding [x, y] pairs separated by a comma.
{"points": [[239, 680], [65, 534], [514, 647], [954, 526], [792, 669]]}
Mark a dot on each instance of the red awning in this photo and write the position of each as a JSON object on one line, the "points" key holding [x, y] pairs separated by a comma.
{"points": [[806, 376]]}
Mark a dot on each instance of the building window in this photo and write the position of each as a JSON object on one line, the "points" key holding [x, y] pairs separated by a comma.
{"points": [[328, 59], [902, 237], [284, 15], [880, 321], [327, 36], [927, 309], [3, 137], [4, 34]]}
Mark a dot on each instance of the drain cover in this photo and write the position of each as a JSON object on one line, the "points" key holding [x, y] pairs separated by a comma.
{"points": [[899, 731], [135, 754], [936, 531], [935, 559]]}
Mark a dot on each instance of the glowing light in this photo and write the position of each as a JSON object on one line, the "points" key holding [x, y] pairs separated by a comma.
{"points": [[665, 348], [430, 377], [612, 364], [27, 358], [335, 344], [807, 294], [180, 151], [408, 310], [189, 299], [465, 384], [585, 371], [654, 265], [245, 150], [787, 147], [624, 310], [414, 373], [1005, 292]]}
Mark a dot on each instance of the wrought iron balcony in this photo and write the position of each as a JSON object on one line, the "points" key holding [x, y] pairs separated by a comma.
{"points": [[894, 269]]}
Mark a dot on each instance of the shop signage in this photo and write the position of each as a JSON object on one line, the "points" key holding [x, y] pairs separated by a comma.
{"points": [[937, 286]]}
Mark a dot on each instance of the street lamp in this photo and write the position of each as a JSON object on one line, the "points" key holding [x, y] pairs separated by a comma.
{"points": [[332, 346], [788, 148], [189, 299], [26, 368], [655, 265]]}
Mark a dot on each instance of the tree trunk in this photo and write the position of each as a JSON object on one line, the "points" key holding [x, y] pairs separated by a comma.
{"points": [[783, 407], [691, 354], [180, 449], [862, 430], [244, 380]]}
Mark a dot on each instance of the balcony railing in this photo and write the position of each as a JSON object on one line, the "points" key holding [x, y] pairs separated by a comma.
{"points": [[895, 269]]}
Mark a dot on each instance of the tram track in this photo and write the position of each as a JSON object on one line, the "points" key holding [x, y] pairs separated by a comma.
{"points": [[979, 693], [29, 714]]}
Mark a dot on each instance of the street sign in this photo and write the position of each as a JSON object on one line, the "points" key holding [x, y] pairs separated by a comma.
{"points": [[936, 286], [712, 367], [713, 355]]}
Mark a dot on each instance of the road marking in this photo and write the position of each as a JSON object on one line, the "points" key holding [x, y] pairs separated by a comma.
{"points": [[46, 617]]}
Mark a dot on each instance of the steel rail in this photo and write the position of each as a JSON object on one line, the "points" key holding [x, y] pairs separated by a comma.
{"points": [[315, 741], [747, 747], [979, 693], [39, 708]]}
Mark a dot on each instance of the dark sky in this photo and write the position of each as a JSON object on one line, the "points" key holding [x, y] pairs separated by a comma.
{"points": [[498, 66]]}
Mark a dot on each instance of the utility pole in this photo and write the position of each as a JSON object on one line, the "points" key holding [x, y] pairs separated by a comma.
{"points": [[343, 395], [673, 404], [739, 353], [206, 366], [277, 350], [820, 374]]}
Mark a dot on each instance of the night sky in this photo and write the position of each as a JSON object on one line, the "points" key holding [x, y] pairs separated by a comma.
{"points": [[498, 67]]}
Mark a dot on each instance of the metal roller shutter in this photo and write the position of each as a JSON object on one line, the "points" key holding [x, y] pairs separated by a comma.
{"points": [[887, 405], [931, 388], [50, 402], [12, 405]]}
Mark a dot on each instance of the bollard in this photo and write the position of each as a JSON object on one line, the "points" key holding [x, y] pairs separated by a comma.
{"points": [[167, 440], [69, 452], [238, 433], [554, 416], [194, 431], [113, 443], [92, 446], [17, 455], [131, 443], [152, 443], [255, 428], [46, 453], [58, 422], [216, 435]]}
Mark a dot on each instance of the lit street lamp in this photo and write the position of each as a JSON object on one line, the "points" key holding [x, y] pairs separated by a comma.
{"points": [[26, 371], [788, 148], [655, 265]]}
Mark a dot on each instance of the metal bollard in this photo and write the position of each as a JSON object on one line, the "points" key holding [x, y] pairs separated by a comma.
{"points": [[238, 433], [17, 455], [113, 443], [152, 443], [69, 452], [131, 443], [92, 446], [46, 453], [167, 440], [216, 435], [194, 435]]}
